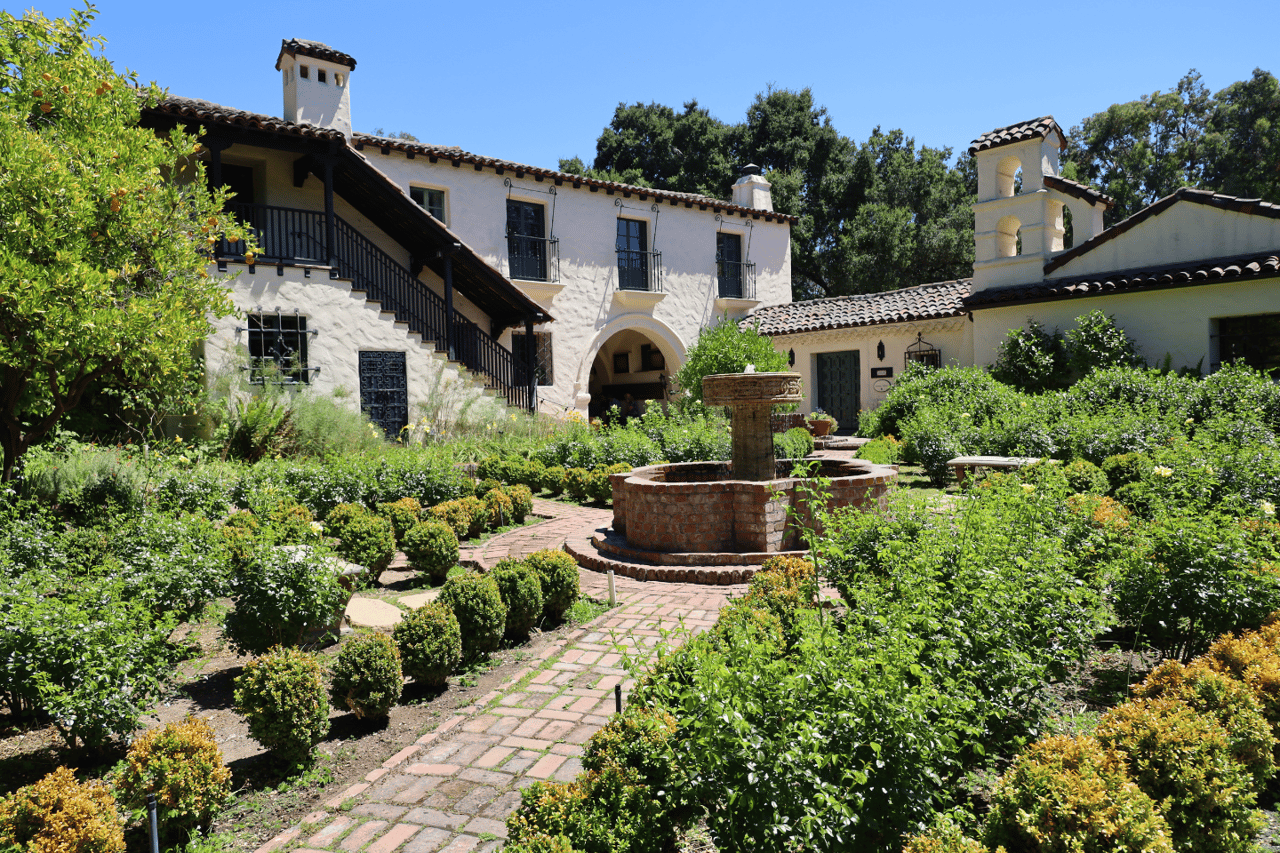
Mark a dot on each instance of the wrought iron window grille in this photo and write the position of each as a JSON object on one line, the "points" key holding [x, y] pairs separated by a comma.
{"points": [[922, 352], [277, 344]]}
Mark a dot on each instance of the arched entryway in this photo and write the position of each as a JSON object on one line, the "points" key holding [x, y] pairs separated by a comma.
{"points": [[630, 359]]}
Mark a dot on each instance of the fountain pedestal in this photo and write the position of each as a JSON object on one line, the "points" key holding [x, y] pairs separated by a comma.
{"points": [[752, 397]]}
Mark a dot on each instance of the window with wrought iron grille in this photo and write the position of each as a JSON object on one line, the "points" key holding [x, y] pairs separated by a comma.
{"points": [[431, 200], [278, 349], [1254, 340], [542, 354], [633, 254], [527, 240], [729, 264]]}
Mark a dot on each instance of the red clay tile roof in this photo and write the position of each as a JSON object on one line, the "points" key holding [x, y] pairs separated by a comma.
{"points": [[1216, 271], [1036, 128], [458, 156], [1254, 206], [193, 109], [1081, 191], [922, 302], [314, 49]]}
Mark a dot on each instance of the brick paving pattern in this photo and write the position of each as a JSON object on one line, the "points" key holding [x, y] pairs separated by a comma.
{"points": [[453, 790]]}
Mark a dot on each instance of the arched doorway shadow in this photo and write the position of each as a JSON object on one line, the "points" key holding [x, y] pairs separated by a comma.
{"points": [[631, 360]]}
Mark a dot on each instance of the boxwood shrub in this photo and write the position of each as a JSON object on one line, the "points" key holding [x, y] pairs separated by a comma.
{"points": [[182, 765], [477, 604], [431, 549], [281, 695], [430, 643], [368, 540], [61, 813], [366, 678], [558, 573], [522, 594]]}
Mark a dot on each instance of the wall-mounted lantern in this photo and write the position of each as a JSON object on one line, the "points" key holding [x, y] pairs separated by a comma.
{"points": [[880, 350], [791, 357]]}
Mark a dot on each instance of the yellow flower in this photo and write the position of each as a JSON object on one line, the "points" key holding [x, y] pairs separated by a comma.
{"points": [[1162, 471], [1028, 488], [1268, 509]]}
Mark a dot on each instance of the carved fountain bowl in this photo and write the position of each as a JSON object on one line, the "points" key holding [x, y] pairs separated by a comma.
{"points": [[746, 389]]}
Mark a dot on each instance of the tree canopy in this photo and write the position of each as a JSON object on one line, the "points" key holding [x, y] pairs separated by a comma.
{"points": [[103, 227], [872, 217], [1140, 151]]}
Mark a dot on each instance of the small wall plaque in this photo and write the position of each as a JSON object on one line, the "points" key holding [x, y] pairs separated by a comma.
{"points": [[881, 386], [882, 373]]}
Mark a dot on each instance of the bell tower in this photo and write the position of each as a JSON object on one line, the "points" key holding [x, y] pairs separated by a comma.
{"points": [[317, 84], [1016, 228]]}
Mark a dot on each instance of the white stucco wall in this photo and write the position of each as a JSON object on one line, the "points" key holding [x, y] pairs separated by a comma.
{"points": [[1187, 231], [587, 312], [346, 323], [953, 336], [1177, 321]]}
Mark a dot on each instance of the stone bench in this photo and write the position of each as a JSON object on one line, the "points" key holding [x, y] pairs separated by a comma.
{"points": [[965, 465]]}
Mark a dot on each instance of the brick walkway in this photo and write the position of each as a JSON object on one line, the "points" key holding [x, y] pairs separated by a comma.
{"points": [[454, 788]]}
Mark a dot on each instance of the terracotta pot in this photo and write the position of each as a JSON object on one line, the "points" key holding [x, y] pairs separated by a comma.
{"points": [[819, 428]]}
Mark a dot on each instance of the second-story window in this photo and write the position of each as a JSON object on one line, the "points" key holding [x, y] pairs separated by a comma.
{"points": [[431, 200], [729, 264], [633, 255], [527, 240]]}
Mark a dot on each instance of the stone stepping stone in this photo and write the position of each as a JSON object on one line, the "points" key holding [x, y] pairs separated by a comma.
{"points": [[418, 599], [372, 612]]}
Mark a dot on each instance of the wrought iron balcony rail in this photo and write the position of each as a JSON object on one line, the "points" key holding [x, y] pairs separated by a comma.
{"points": [[639, 270], [533, 258], [736, 279]]}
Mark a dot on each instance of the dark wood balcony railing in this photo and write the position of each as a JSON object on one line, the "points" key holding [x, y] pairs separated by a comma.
{"points": [[288, 235]]}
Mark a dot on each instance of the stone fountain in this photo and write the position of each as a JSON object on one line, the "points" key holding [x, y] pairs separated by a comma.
{"points": [[715, 521]]}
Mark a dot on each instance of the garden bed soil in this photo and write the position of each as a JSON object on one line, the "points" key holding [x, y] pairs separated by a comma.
{"points": [[267, 800]]}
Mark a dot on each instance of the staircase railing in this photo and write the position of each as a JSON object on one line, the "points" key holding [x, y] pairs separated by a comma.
{"points": [[280, 231]]}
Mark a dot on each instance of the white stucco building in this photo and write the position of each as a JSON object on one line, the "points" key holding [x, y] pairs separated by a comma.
{"points": [[387, 268], [1194, 277]]}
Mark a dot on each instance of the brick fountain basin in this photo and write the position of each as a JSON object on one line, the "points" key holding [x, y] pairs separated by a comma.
{"points": [[697, 514]]}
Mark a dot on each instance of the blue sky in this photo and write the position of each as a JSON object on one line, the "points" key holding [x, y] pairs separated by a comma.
{"points": [[533, 82]]}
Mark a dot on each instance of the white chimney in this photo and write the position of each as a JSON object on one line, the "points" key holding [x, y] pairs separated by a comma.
{"points": [[317, 84], [752, 190]]}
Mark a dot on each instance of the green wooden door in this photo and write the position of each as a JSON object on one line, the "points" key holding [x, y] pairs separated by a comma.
{"points": [[839, 386]]}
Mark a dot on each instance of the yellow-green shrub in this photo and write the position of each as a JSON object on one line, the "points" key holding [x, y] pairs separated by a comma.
{"points": [[59, 814], [477, 514], [1253, 659], [577, 481], [500, 508], [403, 514], [783, 586], [432, 549], [1182, 760], [1227, 700], [182, 765], [455, 514], [1070, 794], [558, 574], [521, 502]]}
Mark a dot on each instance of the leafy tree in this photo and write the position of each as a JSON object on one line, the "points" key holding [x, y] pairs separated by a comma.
{"points": [[102, 277], [1032, 359], [1140, 151], [1245, 139], [871, 217], [727, 348]]}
